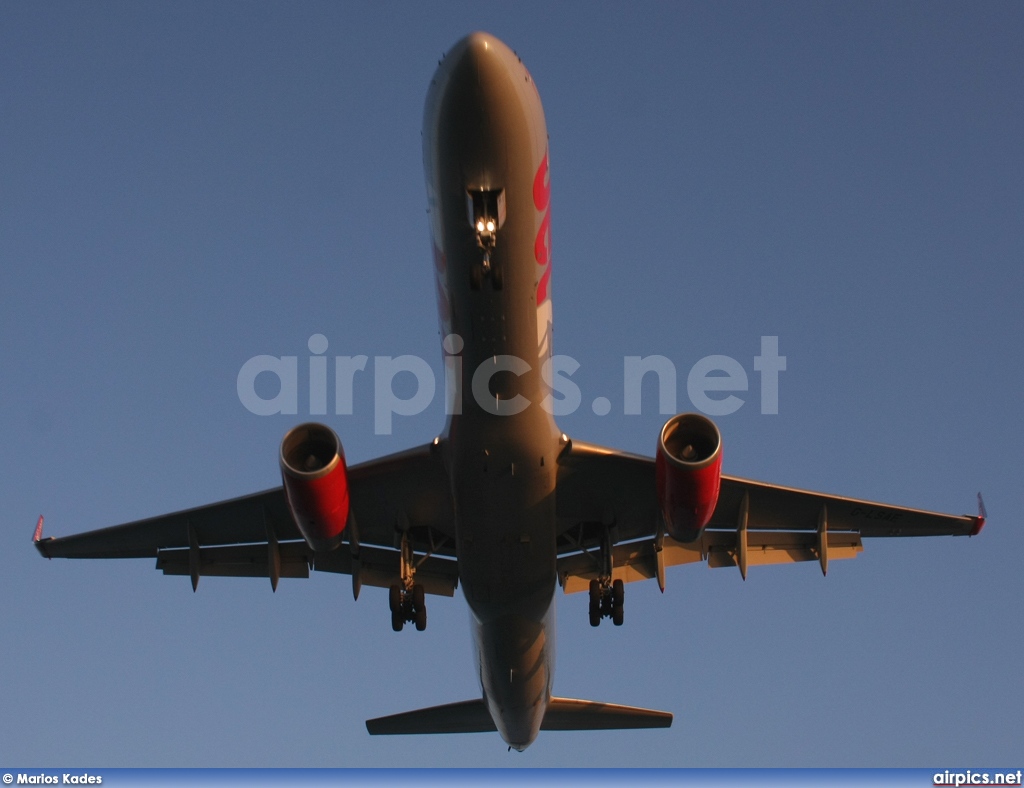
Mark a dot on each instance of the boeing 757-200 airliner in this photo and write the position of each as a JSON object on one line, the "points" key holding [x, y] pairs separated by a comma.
{"points": [[502, 502]]}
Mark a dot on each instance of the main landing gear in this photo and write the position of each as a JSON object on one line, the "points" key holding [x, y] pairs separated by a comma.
{"points": [[606, 595], [407, 605], [606, 601], [406, 598]]}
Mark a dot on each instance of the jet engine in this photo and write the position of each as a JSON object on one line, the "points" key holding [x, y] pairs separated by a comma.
{"points": [[316, 483], [688, 469]]}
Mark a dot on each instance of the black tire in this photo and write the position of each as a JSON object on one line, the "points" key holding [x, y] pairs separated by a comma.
{"points": [[497, 278], [418, 598], [617, 615], [421, 618], [595, 617], [395, 598], [618, 593], [476, 276], [595, 593], [397, 621]]}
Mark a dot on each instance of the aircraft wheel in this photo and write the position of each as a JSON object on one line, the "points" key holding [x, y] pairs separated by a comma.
{"points": [[497, 278], [395, 598], [418, 598], [617, 615], [595, 593], [397, 621], [595, 617], [618, 593], [476, 276], [421, 618]]}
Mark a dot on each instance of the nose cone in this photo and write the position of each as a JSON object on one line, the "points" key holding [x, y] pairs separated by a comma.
{"points": [[479, 75], [482, 108], [482, 55]]}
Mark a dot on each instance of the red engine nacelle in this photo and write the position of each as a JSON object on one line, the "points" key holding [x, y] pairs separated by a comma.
{"points": [[688, 469], [316, 483]]}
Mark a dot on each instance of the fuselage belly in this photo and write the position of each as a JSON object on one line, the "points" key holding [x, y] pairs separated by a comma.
{"points": [[485, 150]]}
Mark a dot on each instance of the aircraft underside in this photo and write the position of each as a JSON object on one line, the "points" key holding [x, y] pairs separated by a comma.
{"points": [[502, 503]]}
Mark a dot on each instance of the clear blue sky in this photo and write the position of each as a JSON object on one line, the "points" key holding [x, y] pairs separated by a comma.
{"points": [[186, 185]]}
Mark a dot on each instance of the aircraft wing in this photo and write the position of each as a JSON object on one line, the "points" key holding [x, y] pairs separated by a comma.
{"points": [[604, 492], [255, 536]]}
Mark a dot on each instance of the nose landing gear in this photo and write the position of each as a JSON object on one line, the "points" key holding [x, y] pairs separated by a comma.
{"points": [[486, 209], [486, 267]]}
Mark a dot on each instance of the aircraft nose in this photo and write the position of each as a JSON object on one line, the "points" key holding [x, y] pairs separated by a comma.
{"points": [[482, 58], [476, 47]]}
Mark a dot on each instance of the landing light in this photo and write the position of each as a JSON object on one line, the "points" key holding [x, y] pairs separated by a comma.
{"points": [[486, 213]]}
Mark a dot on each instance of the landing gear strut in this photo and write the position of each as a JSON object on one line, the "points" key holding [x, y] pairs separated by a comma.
{"points": [[486, 268], [406, 598], [606, 595]]}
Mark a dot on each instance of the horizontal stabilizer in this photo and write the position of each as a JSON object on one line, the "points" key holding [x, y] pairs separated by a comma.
{"points": [[563, 714], [568, 714], [468, 716]]}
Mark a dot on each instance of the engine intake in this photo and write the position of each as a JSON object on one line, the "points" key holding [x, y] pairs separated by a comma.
{"points": [[316, 484], [688, 470]]}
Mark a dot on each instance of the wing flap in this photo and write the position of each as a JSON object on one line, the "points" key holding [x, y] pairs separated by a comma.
{"points": [[631, 562], [635, 561], [778, 547], [251, 560], [381, 568]]}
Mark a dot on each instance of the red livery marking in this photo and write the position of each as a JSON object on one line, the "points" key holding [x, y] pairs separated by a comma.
{"points": [[542, 244], [542, 185]]}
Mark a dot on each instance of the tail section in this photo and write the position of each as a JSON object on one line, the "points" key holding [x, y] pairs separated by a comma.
{"points": [[563, 714]]}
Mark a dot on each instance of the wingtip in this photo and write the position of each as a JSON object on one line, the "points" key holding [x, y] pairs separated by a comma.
{"points": [[979, 521], [37, 539]]}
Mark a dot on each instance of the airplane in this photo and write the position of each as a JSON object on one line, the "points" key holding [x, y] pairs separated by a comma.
{"points": [[502, 503]]}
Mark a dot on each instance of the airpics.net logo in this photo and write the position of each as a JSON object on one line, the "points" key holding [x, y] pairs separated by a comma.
{"points": [[713, 384], [955, 779]]}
